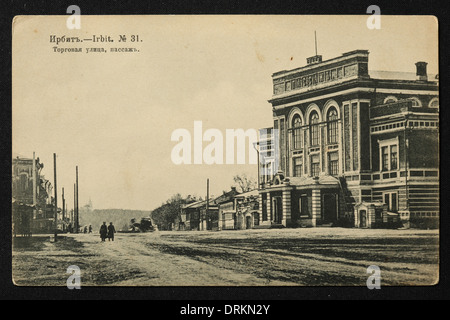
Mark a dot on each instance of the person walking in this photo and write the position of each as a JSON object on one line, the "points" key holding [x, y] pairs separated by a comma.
{"points": [[90, 228], [111, 231], [103, 231]]}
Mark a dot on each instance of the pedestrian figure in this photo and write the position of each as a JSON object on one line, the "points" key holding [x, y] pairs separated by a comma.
{"points": [[90, 229], [111, 231], [103, 231], [85, 229]]}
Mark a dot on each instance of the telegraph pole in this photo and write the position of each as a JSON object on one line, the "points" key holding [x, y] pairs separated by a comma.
{"points": [[34, 186], [207, 202], [77, 212], [74, 208], [63, 208], [56, 196], [34, 194]]}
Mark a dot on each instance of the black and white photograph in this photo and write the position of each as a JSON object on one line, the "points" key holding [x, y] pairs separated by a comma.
{"points": [[225, 151]]}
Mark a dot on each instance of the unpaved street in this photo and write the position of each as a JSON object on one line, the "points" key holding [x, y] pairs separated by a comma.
{"points": [[276, 257]]}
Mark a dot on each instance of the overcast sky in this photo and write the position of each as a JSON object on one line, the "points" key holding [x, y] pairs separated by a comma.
{"points": [[113, 114]]}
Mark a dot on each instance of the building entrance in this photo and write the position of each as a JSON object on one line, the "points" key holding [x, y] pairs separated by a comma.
{"points": [[277, 210], [330, 208]]}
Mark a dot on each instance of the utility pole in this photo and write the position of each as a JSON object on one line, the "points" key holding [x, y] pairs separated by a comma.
{"points": [[34, 194], [63, 209], [74, 208], [77, 212], [56, 196], [256, 147], [34, 185], [207, 202], [406, 142]]}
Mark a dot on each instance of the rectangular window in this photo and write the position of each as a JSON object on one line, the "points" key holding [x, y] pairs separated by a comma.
{"points": [[384, 159], [332, 132], [378, 214], [282, 146], [391, 200], [393, 206], [314, 135], [298, 167], [347, 146], [394, 158], [355, 142], [389, 155], [333, 74], [333, 162], [268, 171], [23, 183], [315, 165], [264, 207], [387, 199], [297, 139]]}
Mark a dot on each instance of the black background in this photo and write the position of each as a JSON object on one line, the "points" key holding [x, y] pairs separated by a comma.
{"points": [[169, 300]]}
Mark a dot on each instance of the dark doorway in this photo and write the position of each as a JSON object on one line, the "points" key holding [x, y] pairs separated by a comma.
{"points": [[256, 219], [330, 208], [277, 210], [248, 222], [304, 206], [363, 219]]}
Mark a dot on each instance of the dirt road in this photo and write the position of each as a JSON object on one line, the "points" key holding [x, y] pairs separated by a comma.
{"points": [[322, 256]]}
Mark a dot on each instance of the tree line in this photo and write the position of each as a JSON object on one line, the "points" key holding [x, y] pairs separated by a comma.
{"points": [[165, 215]]}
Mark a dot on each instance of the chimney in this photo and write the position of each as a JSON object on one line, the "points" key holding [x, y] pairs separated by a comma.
{"points": [[421, 73]]}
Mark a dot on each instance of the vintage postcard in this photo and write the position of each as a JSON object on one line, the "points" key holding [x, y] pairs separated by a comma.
{"points": [[225, 150]]}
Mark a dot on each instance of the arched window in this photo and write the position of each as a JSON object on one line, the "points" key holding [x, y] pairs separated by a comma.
{"points": [[297, 140], [390, 99], [415, 102], [332, 119], [314, 128], [434, 103]]}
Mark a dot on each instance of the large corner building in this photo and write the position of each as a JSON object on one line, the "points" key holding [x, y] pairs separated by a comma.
{"points": [[350, 146]]}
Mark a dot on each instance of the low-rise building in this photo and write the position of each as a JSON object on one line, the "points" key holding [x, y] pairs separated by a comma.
{"points": [[247, 210], [199, 216], [33, 206]]}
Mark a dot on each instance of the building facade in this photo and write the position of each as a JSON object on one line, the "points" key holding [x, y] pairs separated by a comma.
{"points": [[32, 204], [240, 211], [247, 210], [344, 136]]}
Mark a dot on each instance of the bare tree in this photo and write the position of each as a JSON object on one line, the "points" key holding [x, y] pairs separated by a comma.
{"points": [[244, 183]]}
